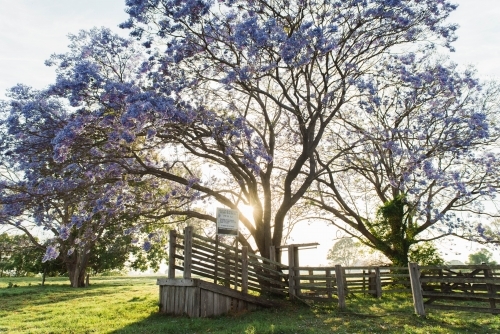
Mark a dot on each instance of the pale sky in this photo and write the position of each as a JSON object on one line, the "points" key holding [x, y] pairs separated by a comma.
{"points": [[32, 30]]}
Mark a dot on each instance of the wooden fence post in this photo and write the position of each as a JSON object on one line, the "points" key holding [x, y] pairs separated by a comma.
{"points": [[378, 283], [236, 261], [227, 268], [216, 271], [291, 273], [329, 283], [491, 288], [171, 253], [244, 269], [272, 257], [188, 251], [416, 289], [339, 278]]}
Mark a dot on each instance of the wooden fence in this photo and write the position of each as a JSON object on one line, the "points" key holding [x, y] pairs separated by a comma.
{"points": [[225, 265], [473, 288], [321, 282], [237, 268]]}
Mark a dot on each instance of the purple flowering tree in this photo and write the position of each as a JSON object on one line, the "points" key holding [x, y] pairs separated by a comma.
{"points": [[72, 203], [238, 95], [422, 138], [232, 102]]}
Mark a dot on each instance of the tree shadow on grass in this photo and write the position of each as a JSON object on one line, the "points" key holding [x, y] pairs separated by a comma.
{"points": [[44, 295], [362, 316]]}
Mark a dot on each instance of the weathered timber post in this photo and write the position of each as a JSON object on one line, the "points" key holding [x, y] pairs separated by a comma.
{"points": [[296, 265], [329, 283], [491, 288], [216, 271], [188, 251], [244, 269], [364, 283], [171, 253], [227, 268], [416, 289], [378, 283], [236, 261], [339, 278], [291, 272], [272, 258]]}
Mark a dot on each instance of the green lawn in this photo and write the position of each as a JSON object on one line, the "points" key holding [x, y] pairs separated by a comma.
{"points": [[130, 305]]}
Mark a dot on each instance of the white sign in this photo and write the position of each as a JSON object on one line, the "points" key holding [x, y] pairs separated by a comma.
{"points": [[227, 221]]}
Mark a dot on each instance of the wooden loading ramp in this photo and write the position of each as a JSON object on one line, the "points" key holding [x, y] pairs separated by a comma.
{"points": [[197, 298]]}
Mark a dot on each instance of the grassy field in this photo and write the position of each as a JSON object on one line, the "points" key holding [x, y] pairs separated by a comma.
{"points": [[130, 305]]}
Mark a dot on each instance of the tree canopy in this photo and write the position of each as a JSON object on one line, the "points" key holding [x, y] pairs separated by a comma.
{"points": [[293, 108]]}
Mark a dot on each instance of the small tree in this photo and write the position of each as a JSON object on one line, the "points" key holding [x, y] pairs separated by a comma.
{"points": [[482, 256], [344, 252], [425, 254]]}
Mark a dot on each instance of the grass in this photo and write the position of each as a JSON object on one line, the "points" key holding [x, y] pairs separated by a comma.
{"points": [[130, 305]]}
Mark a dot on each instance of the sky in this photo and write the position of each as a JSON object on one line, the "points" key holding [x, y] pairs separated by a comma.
{"points": [[32, 30]]}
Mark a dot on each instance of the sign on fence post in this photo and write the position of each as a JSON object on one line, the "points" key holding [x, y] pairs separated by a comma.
{"points": [[227, 221]]}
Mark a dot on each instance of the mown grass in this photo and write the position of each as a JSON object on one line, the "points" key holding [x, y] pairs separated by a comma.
{"points": [[130, 305]]}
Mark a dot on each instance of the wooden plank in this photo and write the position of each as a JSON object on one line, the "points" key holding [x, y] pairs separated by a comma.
{"points": [[163, 299], [171, 299], [463, 308], [177, 281], [181, 299], [188, 246], [340, 286], [491, 290], [459, 296], [171, 253], [208, 241], [244, 269], [266, 261], [418, 301], [216, 303], [291, 273], [460, 279], [233, 293], [378, 284], [210, 304], [196, 305], [204, 309], [188, 301]]}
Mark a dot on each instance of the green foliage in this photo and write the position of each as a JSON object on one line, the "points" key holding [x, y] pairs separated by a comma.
{"points": [[425, 254], [482, 256], [393, 230]]}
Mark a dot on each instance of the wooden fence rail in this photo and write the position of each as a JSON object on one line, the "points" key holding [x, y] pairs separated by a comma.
{"points": [[322, 282]]}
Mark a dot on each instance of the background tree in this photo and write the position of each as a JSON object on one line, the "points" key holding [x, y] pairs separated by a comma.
{"points": [[482, 256], [344, 252], [72, 201], [421, 150]]}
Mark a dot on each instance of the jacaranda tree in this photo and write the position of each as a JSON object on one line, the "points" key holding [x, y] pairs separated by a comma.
{"points": [[235, 97], [423, 136], [70, 202], [267, 104]]}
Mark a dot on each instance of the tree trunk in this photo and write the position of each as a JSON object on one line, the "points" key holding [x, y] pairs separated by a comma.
{"points": [[44, 275], [77, 270]]}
